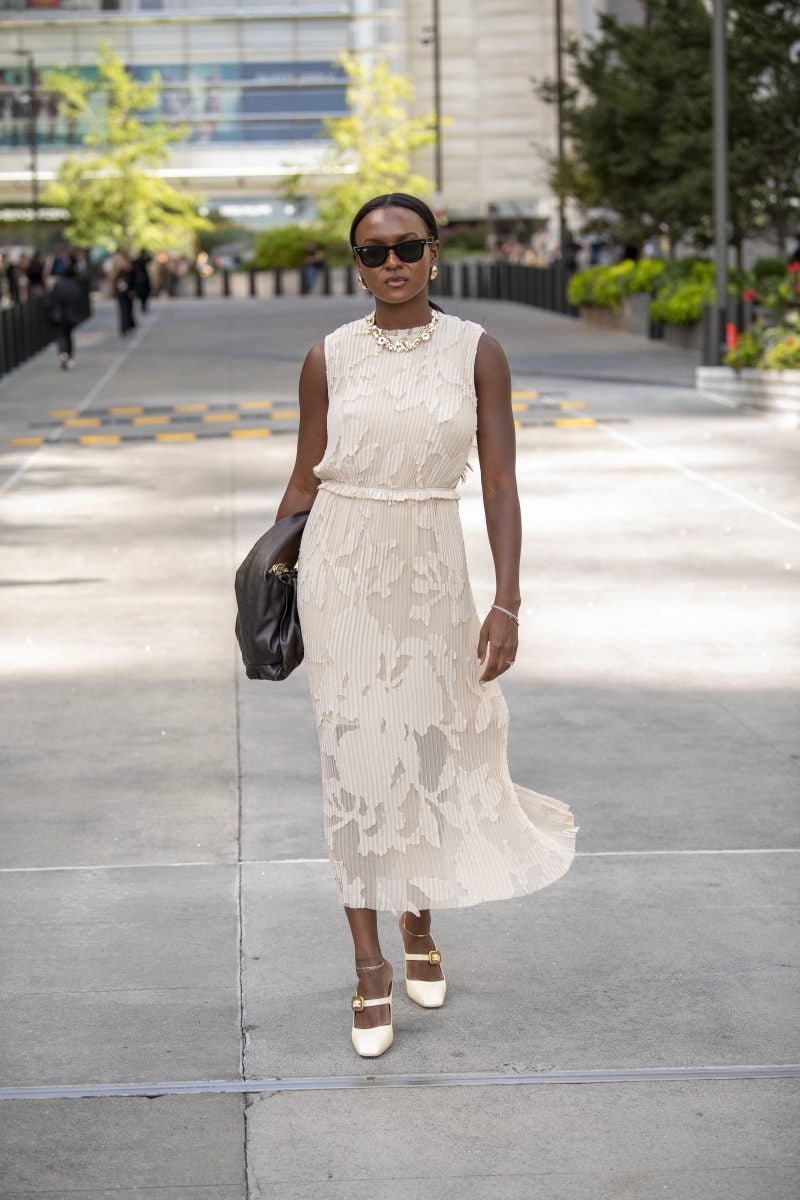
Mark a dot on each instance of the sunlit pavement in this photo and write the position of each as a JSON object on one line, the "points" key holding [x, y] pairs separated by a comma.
{"points": [[176, 969]]}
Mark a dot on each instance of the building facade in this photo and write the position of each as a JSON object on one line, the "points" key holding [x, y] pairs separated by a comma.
{"points": [[253, 83]]}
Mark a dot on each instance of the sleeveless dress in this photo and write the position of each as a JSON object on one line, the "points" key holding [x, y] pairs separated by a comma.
{"points": [[419, 807]]}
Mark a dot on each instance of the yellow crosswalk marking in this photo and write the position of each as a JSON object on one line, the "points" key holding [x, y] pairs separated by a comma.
{"points": [[105, 439], [572, 404], [58, 414], [524, 395], [567, 422], [285, 414], [250, 433], [82, 422], [190, 408], [126, 410], [219, 417], [151, 420], [518, 424], [25, 441], [176, 437], [519, 407], [254, 405]]}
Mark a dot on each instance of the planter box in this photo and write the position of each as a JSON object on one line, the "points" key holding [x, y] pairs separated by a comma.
{"points": [[687, 337], [632, 317], [636, 314], [608, 318], [777, 391]]}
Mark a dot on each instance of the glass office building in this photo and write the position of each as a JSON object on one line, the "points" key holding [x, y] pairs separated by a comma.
{"points": [[251, 83], [253, 80]]}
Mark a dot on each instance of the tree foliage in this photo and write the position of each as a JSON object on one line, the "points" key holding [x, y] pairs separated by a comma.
{"points": [[114, 198], [373, 145], [638, 119]]}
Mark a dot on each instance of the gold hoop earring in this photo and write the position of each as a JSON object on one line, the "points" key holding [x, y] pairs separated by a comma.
{"points": [[434, 271], [362, 284]]}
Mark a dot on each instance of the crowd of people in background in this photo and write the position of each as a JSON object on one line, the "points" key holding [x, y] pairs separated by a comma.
{"points": [[24, 275]]}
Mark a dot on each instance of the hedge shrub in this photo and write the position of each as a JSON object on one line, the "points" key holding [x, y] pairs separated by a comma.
{"points": [[681, 298], [605, 287], [286, 245]]}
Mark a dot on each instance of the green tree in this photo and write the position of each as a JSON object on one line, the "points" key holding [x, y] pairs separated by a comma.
{"points": [[373, 145], [640, 99], [114, 198], [639, 120], [764, 70]]}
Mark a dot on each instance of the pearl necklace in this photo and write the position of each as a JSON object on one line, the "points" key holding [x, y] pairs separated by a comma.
{"points": [[383, 340]]}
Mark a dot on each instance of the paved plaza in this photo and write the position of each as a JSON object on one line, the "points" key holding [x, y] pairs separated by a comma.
{"points": [[177, 971]]}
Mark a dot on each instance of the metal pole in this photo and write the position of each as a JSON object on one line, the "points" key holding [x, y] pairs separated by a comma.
{"points": [[33, 141], [562, 225], [437, 96], [719, 317]]}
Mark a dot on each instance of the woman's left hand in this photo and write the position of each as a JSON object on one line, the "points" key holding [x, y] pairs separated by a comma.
{"points": [[500, 634]]}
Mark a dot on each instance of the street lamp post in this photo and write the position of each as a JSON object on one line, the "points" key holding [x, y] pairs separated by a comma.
{"points": [[437, 97], [720, 312], [562, 224], [33, 142], [431, 36]]}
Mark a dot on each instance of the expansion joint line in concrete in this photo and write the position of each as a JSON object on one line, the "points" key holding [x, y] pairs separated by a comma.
{"points": [[284, 862], [462, 1079]]}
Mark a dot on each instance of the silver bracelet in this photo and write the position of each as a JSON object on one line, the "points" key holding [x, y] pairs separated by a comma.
{"points": [[506, 611]]}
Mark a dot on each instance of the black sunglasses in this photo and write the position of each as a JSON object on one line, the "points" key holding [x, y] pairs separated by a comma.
{"points": [[407, 252]]}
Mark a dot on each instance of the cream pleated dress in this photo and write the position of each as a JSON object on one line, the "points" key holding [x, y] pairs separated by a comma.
{"points": [[419, 807]]}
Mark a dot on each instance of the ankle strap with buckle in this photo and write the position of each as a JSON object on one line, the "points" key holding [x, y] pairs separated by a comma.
{"points": [[434, 957], [358, 1003]]}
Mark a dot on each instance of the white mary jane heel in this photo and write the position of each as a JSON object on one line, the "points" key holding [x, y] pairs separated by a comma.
{"points": [[369, 1043], [428, 993]]}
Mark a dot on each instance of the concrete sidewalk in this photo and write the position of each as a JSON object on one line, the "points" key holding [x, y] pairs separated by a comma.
{"points": [[169, 915]]}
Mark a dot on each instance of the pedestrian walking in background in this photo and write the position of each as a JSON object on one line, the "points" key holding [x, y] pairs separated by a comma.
{"points": [[420, 811], [162, 274], [65, 307], [122, 287], [60, 261], [35, 274], [12, 281], [313, 263], [141, 277]]}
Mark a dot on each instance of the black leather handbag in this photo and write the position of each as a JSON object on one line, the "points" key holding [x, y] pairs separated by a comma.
{"points": [[267, 624]]}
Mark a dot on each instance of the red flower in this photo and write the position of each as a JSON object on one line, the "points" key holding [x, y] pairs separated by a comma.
{"points": [[793, 267], [750, 295]]}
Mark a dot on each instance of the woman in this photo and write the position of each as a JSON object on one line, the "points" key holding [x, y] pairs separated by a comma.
{"points": [[35, 274], [122, 287], [420, 810], [66, 306]]}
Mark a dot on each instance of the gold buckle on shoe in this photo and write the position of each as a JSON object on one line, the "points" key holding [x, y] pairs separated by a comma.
{"points": [[434, 957], [357, 1003]]}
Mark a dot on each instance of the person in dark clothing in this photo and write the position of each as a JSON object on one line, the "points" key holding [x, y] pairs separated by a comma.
{"points": [[122, 287], [66, 309], [60, 261], [35, 273], [313, 264], [141, 278], [12, 279]]}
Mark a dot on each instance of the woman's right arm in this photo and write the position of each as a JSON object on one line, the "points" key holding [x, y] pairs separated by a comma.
{"points": [[312, 439]]}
